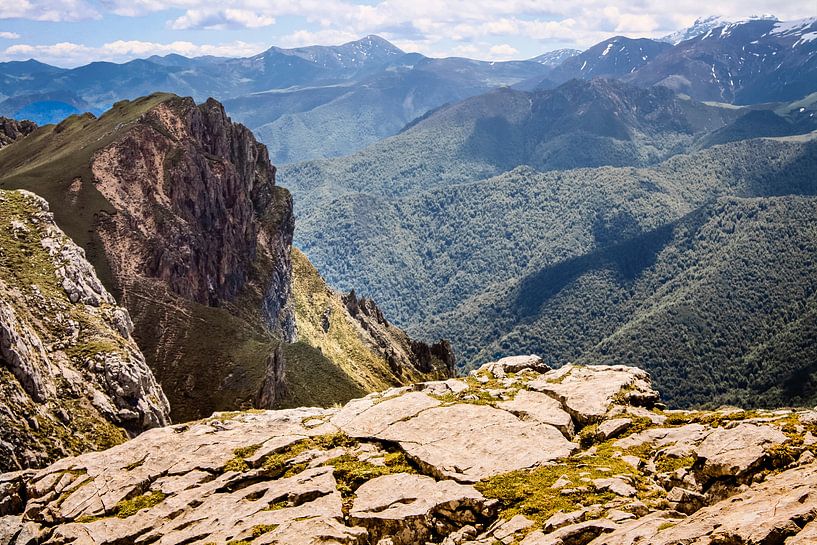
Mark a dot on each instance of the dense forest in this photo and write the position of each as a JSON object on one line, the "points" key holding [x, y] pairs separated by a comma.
{"points": [[563, 263]]}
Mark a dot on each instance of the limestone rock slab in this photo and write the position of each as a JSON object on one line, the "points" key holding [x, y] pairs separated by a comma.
{"points": [[470, 442], [588, 392], [542, 408], [734, 451], [406, 507], [514, 364]]}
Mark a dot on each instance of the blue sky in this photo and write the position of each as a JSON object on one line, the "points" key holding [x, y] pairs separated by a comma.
{"points": [[74, 32]]}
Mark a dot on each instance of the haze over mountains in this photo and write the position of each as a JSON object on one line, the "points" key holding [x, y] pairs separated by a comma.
{"points": [[321, 101]]}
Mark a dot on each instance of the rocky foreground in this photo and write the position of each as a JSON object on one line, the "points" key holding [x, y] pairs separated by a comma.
{"points": [[514, 453]]}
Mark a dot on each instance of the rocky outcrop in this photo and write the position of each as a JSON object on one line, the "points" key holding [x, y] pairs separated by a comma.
{"points": [[179, 212], [12, 129], [192, 190], [409, 508], [71, 375], [401, 352], [442, 462]]}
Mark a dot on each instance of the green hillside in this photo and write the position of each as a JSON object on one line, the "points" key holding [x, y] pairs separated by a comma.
{"points": [[547, 261], [718, 305]]}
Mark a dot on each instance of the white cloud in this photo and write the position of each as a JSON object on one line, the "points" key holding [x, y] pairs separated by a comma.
{"points": [[9, 35], [454, 27], [503, 51], [220, 19], [70, 54], [302, 38], [48, 10]]}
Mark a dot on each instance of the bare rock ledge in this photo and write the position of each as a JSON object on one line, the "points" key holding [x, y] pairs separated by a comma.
{"points": [[510, 454]]}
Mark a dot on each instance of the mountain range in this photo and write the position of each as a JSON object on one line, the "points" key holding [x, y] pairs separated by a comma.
{"points": [[323, 101]]}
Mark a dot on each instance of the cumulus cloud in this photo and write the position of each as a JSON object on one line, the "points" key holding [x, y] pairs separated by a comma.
{"points": [[48, 10], [209, 19], [503, 50], [70, 54], [454, 27], [9, 35]]}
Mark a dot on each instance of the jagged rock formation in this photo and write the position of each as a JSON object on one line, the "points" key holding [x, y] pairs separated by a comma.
{"points": [[469, 461], [11, 130], [401, 352], [346, 347], [178, 209], [71, 376]]}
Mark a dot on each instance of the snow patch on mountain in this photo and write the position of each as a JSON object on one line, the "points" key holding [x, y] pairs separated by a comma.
{"points": [[702, 25]]}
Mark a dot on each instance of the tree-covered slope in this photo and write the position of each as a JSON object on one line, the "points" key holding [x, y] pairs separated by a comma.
{"points": [[717, 305], [419, 252], [450, 259]]}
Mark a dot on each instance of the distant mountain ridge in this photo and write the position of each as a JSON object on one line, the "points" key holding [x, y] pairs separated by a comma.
{"points": [[556, 57], [306, 102], [755, 61], [325, 101], [615, 57]]}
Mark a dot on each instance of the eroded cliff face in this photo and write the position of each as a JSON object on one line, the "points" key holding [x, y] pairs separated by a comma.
{"points": [[192, 192], [199, 250], [404, 355], [516, 453], [71, 375]]}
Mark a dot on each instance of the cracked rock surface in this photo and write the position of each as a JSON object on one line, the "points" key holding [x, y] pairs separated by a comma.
{"points": [[480, 460]]}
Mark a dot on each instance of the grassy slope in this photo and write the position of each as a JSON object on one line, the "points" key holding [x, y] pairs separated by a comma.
{"points": [[51, 158], [175, 334]]}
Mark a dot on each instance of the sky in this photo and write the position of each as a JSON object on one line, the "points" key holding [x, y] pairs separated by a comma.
{"points": [[74, 32]]}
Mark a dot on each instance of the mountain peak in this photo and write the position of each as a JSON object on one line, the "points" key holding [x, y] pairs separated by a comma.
{"points": [[373, 40], [555, 57], [371, 49], [613, 57], [701, 25]]}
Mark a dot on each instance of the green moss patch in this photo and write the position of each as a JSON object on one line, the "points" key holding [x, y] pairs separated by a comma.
{"points": [[90, 349], [128, 508], [279, 464], [350, 472], [531, 493]]}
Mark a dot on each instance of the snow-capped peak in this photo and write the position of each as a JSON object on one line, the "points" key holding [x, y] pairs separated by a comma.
{"points": [[701, 25], [785, 28]]}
